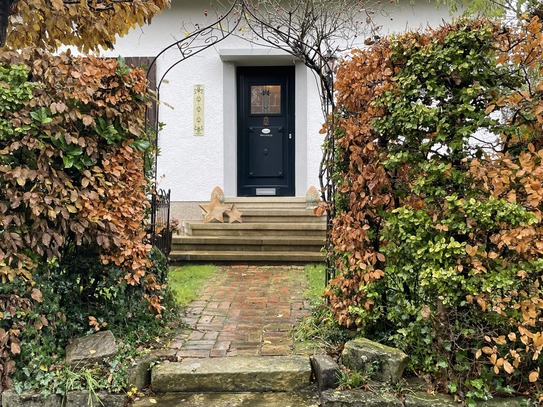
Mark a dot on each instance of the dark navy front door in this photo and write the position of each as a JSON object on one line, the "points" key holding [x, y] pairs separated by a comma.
{"points": [[266, 131]]}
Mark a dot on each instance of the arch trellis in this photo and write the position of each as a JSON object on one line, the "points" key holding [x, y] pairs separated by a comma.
{"points": [[316, 50]]}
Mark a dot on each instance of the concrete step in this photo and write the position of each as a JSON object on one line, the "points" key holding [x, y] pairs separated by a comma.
{"points": [[230, 400], [233, 374], [266, 215], [252, 243], [255, 229], [269, 202], [247, 256]]}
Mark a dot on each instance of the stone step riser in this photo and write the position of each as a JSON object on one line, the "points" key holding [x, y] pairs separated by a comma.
{"points": [[273, 209], [281, 219], [230, 400], [236, 374], [247, 241], [240, 248], [249, 257], [269, 202], [255, 232]]}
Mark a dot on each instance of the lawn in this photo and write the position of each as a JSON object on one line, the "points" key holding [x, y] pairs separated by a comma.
{"points": [[187, 281], [315, 282]]}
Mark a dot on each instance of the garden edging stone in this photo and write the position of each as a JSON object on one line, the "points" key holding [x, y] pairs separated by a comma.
{"points": [[385, 364], [91, 349], [10, 398], [326, 371], [139, 374], [357, 398], [422, 399]]}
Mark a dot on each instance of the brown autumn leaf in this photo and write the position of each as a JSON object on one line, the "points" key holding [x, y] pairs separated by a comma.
{"points": [[500, 340], [48, 25], [87, 120], [36, 295], [471, 250], [488, 350], [15, 346], [508, 367]]}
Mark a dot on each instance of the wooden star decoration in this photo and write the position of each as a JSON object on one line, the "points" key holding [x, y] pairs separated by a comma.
{"points": [[234, 215], [214, 210]]}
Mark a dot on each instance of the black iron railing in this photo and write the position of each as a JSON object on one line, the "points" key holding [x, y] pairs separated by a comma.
{"points": [[160, 227]]}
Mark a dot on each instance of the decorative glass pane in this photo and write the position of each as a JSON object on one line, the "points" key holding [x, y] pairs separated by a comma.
{"points": [[266, 99]]}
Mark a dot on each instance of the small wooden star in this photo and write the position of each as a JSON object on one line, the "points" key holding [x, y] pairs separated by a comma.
{"points": [[214, 210], [234, 215]]}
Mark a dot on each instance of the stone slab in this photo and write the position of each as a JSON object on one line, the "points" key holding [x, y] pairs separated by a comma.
{"points": [[233, 374], [422, 399], [326, 371], [74, 399], [82, 399], [90, 349], [358, 398], [364, 355], [29, 399], [230, 400], [508, 402]]}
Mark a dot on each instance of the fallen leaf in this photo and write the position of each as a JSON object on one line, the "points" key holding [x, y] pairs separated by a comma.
{"points": [[36, 295]]}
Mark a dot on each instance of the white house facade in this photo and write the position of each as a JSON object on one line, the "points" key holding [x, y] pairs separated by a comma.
{"points": [[238, 115]]}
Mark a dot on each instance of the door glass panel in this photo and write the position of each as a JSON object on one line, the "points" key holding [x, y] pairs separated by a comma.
{"points": [[266, 99]]}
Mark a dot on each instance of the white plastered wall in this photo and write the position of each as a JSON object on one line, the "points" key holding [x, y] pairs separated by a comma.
{"points": [[191, 166]]}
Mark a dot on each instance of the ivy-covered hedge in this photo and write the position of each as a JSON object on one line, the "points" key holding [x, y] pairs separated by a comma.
{"points": [[438, 236], [72, 182]]}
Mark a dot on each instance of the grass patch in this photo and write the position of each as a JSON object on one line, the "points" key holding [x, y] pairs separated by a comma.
{"points": [[319, 332], [315, 282], [187, 281]]}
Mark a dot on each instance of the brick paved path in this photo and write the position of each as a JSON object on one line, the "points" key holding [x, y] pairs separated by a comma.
{"points": [[245, 310]]}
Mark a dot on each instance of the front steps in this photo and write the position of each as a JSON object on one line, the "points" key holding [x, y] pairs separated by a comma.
{"points": [[273, 381], [274, 230]]}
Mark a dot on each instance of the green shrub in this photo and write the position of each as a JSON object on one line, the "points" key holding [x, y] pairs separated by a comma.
{"points": [[80, 295], [439, 246]]}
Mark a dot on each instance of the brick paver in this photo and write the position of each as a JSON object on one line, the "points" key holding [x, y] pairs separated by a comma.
{"points": [[244, 310]]}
